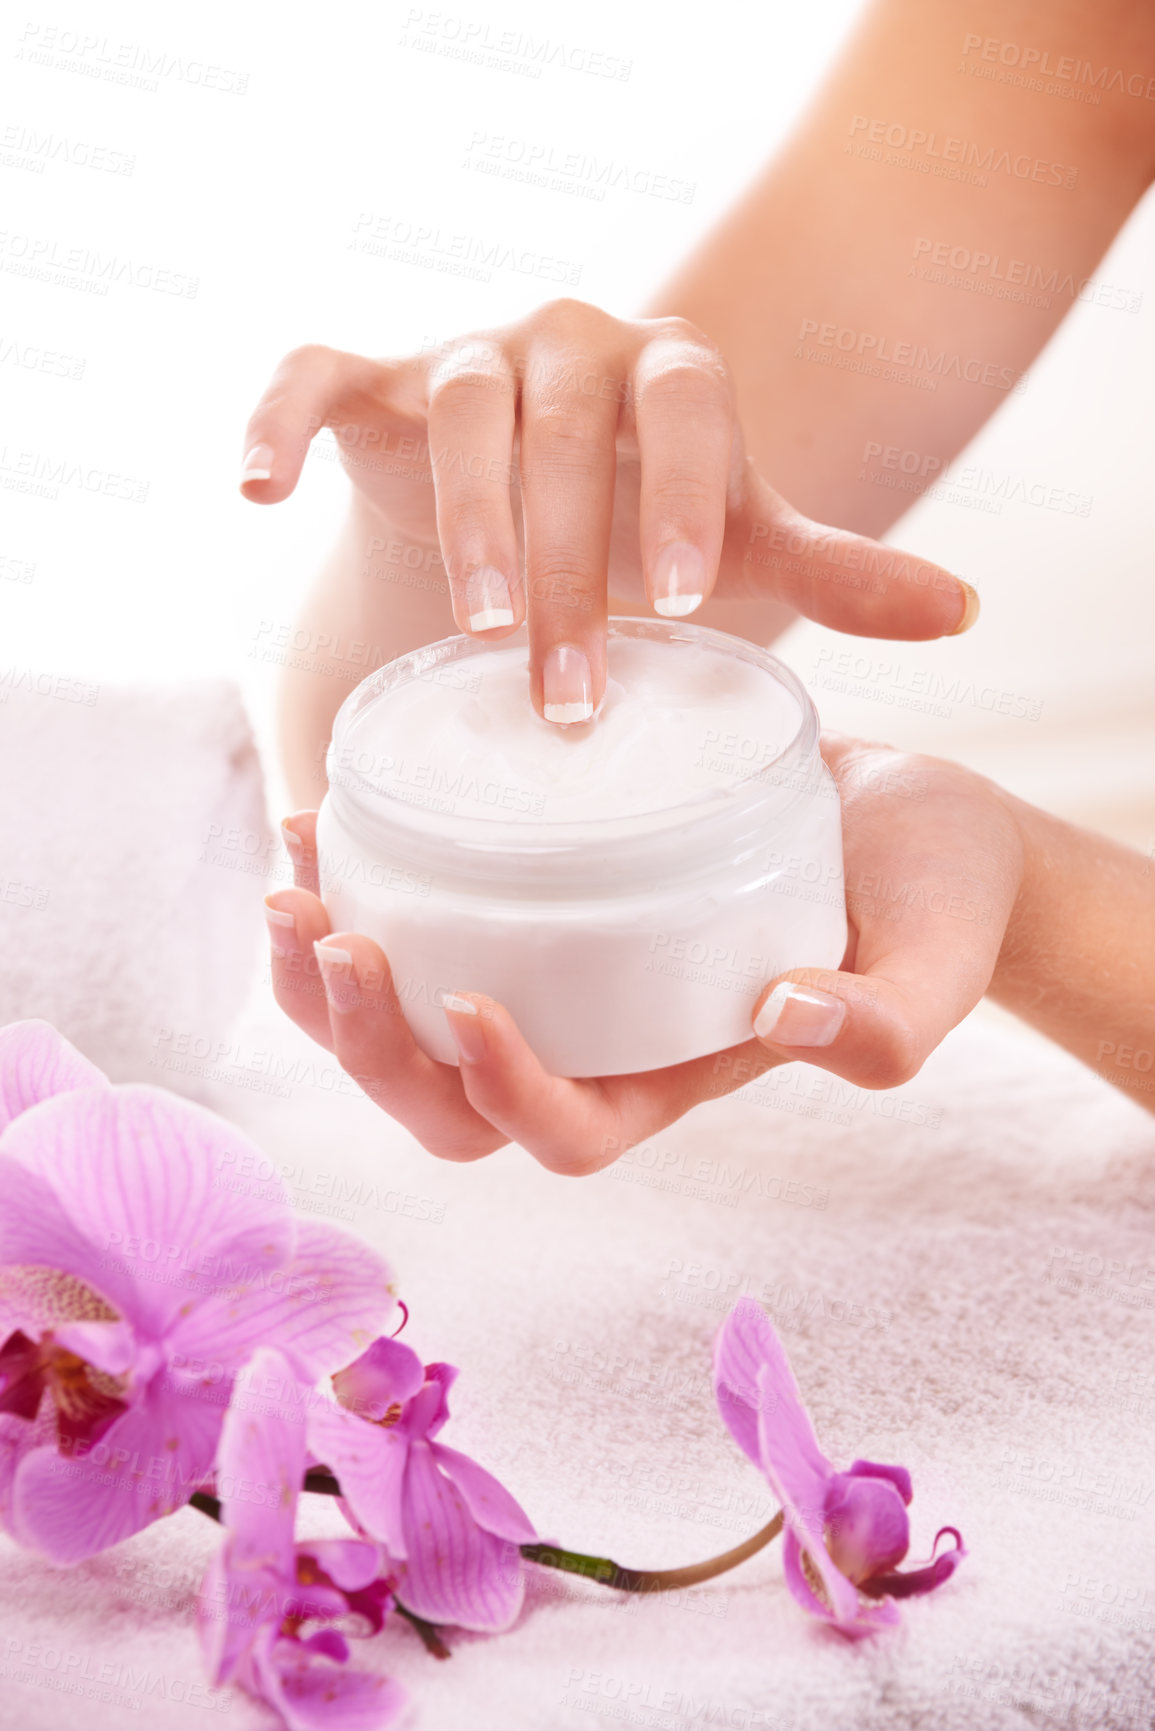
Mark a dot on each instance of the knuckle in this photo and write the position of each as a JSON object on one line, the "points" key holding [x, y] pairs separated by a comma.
{"points": [[309, 354], [462, 389], [899, 1058], [565, 311], [690, 494]]}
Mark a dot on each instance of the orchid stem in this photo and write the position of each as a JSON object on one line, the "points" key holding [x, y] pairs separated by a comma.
{"points": [[601, 1569], [210, 1506], [429, 1635], [610, 1574]]}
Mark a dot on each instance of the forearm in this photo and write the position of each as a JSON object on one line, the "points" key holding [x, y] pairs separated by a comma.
{"points": [[1078, 959], [820, 283], [377, 596]]}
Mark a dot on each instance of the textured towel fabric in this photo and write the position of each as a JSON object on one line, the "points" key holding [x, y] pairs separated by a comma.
{"points": [[135, 851], [963, 1274]]}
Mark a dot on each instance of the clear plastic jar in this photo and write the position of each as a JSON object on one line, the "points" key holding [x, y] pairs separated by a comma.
{"points": [[635, 934]]}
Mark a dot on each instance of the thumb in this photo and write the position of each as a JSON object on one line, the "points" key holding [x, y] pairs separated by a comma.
{"points": [[875, 1029]]}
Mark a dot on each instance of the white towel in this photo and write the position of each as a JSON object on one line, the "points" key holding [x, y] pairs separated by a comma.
{"points": [[135, 850], [962, 1273]]}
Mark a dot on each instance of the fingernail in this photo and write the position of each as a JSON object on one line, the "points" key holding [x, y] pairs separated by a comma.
{"points": [[343, 994], [465, 1026], [970, 609], [488, 599], [331, 953], [679, 580], [258, 464], [799, 1016], [566, 686], [279, 923]]}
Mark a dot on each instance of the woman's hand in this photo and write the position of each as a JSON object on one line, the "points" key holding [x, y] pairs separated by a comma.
{"points": [[595, 455], [934, 860]]}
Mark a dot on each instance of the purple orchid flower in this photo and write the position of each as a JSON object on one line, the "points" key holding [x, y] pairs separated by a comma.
{"points": [[132, 1287], [262, 1589], [846, 1532], [448, 1526]]}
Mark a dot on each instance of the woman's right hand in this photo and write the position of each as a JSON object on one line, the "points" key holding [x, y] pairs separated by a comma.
{"points": [[597, 455]]}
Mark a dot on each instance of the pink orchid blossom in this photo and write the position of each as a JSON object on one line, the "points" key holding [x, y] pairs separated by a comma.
{"points": [[845, 1532], [262, 1589], [448, 1526], [133, 1283]]}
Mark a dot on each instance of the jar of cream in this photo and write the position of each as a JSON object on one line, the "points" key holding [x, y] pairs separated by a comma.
{"points": [[625, 887]]}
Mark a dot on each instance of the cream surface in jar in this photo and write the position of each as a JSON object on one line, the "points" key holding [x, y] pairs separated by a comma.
{"points": [[624, 887]]}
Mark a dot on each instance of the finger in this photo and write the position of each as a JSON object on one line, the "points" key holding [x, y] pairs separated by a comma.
{"points": [[300, 837], [298, 401], [472, 414], [686, 439], [575, 1127], [568, 462], [844, 580], [373, 1043], [296, 920], [927, 937]]}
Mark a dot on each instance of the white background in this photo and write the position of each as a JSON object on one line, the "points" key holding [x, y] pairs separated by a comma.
{"points": [[255, 193]]}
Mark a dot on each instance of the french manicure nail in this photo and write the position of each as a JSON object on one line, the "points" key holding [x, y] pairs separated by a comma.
{"points": [[970, 609], [279, 923], [488, 599], [331, 953], [799, 1016], [342, 994], [258, 464], [467, 1033], [293, 843], [566, 686], [679, 580]]}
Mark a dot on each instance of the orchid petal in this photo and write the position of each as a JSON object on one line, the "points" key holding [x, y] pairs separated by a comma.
{"points": [[312, 1696], [108, 1346], [369, 1460], [350, 1564], [455, 1572], [906, 1583], [330, 1643], [155, 1455], [786, 1463], [135, 1171], [387, 1374], [233, 1609], [263, 1451], [751, 1367], [808, 1587], [866, 1525], [490, 1504], [49, 1270], [35, 1063], [898, 1476], [429, 1408], [322, 1309]]}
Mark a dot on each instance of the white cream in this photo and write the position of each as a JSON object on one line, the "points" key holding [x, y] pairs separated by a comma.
{"points": [[625, 887], [678, 719]]}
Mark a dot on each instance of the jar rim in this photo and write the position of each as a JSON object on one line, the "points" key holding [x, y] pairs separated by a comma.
{"points": [[765, 792]]}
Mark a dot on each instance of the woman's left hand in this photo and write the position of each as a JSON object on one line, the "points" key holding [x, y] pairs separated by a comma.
{"points": [[934, 859]]}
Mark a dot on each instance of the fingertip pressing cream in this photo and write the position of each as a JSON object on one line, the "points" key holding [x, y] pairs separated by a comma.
{"points": [[625, 887]]}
